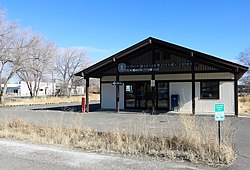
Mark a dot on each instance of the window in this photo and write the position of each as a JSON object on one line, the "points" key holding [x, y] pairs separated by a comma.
{"points": [[209, 90]]}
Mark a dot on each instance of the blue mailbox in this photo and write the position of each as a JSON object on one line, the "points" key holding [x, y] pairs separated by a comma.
{"points": [[175, 98]]}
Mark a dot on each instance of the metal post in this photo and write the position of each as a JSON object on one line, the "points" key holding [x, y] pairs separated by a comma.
{"points": [[219, 131]]}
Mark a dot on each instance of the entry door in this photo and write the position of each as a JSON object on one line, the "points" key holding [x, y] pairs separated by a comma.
{"points": [[136, 95], [162, 95], [141, 95]]}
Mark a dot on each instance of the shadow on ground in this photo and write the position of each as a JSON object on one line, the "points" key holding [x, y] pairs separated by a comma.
{"points": [[74, 108]]}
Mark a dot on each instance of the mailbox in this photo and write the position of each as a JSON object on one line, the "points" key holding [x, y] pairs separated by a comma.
{"points": [[175, 101]]}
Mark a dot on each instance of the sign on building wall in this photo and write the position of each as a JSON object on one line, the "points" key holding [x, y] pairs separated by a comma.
{"points": [[122, 67]]}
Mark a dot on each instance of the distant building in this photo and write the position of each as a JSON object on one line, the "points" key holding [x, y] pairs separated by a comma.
{"points": [[21, 89], [45, 89], [72, 89], [244, 90], [13, 89]]}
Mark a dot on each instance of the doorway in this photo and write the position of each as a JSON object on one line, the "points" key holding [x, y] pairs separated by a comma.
{"points": [[139, 95], [162, 98], [136, 95]]}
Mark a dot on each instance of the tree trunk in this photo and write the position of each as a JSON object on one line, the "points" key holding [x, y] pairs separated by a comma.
{"points": [[2, 94], [1, 99]]}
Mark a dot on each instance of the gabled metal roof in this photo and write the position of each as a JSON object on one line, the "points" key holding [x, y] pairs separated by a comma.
{"points": [[236, 68]]}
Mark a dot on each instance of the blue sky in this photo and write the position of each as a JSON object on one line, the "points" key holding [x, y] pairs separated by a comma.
{"points": [[220, 28]]}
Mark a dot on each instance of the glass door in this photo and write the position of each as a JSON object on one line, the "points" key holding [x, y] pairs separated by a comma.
{"points": [[136, 95], [141, 90], [130, 93], [162, 95]]}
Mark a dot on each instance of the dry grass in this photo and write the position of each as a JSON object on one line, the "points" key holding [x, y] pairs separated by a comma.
{"points": [[196, 141], [199, 137], [48, 100], [244, 104]]}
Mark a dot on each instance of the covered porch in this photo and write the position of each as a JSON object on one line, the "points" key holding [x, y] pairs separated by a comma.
{"points": [[148, 74]]}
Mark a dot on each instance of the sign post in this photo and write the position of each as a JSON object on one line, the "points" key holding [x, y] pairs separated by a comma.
{"points": [[219, 116]]}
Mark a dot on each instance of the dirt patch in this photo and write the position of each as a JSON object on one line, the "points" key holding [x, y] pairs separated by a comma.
{"points": [[244, 105], [48, 100]]}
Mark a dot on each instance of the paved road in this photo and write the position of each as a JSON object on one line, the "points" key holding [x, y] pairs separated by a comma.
{"points": [[242, 144], [16, 155], [68, 115], [101, 121]]}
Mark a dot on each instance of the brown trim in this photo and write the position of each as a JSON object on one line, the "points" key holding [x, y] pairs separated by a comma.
{"points": [[193, 87], [100, 93], [137, 52], [116, 56], [236, 95], [184, 80], [198, 57], [87, 94], [117, 92], [174, 72], [200, 54]]}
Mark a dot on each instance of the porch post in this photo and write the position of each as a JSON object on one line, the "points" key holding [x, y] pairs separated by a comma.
{"points": [[117, 94], [193, 86], [153, 94], [87, 94], [235, 95]]}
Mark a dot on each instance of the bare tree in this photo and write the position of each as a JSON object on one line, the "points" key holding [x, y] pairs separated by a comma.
{"points": [[14, 43], [68, 62], [244, 58], [38, 61]]}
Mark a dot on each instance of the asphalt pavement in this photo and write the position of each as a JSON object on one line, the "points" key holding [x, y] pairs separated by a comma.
{"points": [[23, 156]]}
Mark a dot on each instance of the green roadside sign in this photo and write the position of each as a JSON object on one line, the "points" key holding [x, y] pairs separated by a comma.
{"points": [[219, 112], [219, 108]]}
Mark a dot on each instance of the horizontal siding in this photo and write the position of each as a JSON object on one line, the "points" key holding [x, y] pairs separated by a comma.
{"points": [[226, 98], [108, 78], [135, 77], [184, 90], [214, 76], [173, 77], [169, 77], [108, 95]]}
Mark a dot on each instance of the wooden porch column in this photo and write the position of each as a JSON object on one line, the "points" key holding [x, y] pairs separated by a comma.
{"points": [[117, 94], [87, 94], [193, 86], [153, 94], [235, 95]]}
